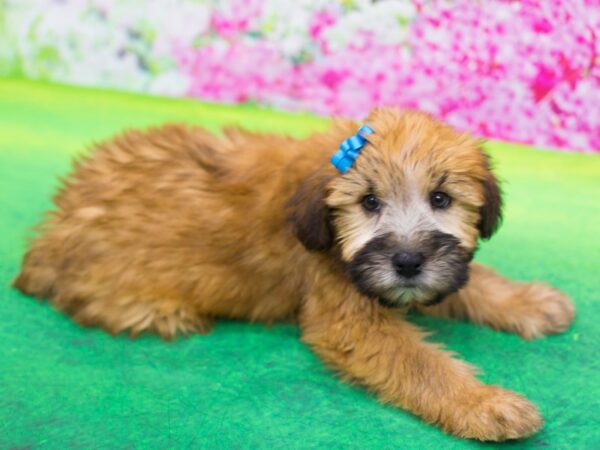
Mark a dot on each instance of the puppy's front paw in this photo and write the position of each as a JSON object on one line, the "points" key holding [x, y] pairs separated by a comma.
{"points": [[494, 414], [540, 310]]}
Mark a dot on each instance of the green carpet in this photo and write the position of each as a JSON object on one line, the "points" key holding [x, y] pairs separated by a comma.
{"points": [[250, 386]]}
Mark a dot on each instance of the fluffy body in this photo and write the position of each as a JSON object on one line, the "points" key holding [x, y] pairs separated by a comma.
{"points": [[167, 229]]}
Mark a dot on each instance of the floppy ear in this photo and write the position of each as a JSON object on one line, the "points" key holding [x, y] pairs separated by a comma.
{"points": [[309, 215], [491, 211]]}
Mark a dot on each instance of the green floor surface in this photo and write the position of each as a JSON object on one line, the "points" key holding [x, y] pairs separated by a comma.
{"points": [[249, 386]]}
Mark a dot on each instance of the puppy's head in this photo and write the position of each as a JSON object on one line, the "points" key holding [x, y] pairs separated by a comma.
{"points": [[405, 219]]}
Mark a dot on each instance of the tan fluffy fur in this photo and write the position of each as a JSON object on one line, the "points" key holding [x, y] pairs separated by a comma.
{"points": [[168, 229]]}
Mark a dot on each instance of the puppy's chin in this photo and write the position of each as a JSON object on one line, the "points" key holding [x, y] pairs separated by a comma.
{"points": [[430, 288], [404, 296]]}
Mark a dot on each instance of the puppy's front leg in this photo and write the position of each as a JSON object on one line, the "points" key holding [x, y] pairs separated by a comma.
{"points": [[374, 346], [528, 309]]}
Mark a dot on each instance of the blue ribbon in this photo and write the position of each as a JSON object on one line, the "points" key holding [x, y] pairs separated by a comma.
{"points": [[349, 149]]}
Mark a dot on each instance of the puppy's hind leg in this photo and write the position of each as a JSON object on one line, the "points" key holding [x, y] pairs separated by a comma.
{"points": [[529, 309], [374, 346], [136, 314], [93, 300], [130, 310], [111, 293]]}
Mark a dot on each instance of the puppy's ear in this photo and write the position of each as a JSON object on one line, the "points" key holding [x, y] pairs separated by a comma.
{"points": [[308, 214], [491, 211]]}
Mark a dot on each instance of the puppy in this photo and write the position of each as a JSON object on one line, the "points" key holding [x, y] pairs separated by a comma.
{"points": [[168, 229]]}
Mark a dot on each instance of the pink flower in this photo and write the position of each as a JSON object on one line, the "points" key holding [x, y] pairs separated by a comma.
{"points": [[237, 19], [525, 71]]}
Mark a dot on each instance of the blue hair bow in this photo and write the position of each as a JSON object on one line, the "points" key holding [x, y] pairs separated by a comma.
{"points": [[350, 149]]}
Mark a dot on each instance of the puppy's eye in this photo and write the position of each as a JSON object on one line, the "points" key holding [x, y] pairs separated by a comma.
{"points": [[371, 203], [440, 200]]}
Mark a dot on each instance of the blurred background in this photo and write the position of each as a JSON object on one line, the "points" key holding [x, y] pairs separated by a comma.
{"points": [[524, 71]]}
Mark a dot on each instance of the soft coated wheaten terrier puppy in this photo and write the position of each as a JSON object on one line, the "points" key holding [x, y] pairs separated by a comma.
{"points": [[167, 229]]}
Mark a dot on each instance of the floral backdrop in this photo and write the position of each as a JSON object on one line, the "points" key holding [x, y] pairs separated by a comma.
{"points": [[520, 70]]}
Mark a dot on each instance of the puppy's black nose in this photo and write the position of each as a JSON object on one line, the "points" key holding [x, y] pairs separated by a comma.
{"points": [[408, 264]]}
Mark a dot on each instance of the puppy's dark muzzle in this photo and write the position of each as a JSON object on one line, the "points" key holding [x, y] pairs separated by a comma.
{"points": [[427, 269]]}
